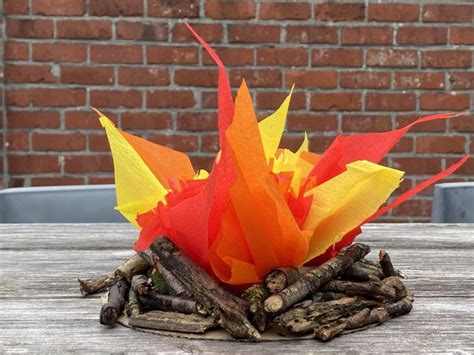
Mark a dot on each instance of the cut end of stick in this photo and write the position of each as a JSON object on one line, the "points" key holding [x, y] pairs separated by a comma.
{"points": [[274, 304]]}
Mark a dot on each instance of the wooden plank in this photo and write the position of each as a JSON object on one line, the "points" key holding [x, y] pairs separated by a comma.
{"points": [[43, 312]]}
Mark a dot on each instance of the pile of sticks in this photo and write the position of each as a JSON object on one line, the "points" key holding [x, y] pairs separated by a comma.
{"points": [[163, 289]]}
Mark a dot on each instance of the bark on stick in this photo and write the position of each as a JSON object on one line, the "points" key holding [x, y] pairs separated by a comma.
{"points": [[314, 279], [115, 303], [228, 309], [154, 301]]}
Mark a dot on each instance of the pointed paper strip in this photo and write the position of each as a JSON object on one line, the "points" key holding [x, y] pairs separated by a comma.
{"points": [[165, 163], [342, 203], [368, 146], [138, 190], [272, 127]]}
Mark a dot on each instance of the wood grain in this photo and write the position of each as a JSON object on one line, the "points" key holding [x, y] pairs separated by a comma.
{"points": [[43, 312]]}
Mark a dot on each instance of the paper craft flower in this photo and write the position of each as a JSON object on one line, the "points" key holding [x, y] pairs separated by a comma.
{"points": [[260, 207]]}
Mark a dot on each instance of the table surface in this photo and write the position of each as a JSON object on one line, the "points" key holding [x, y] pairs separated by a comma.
{"points": [[42, 310]]}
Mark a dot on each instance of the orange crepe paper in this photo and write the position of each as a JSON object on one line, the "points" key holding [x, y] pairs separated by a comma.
{"points": [[259, 207]]}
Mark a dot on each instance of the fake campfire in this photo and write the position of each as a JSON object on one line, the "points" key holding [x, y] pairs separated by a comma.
{"points": [[265, 239]]}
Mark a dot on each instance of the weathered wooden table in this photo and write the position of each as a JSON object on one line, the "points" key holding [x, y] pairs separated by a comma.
{"points": [[43, 312]]}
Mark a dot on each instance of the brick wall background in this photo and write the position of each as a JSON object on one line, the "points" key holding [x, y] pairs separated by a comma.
{"points": [[357, 67]]}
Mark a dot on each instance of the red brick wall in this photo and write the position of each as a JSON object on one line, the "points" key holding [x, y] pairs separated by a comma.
{"points": [[357, 67]]}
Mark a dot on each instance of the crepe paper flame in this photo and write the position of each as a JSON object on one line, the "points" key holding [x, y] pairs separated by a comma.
{"points": [[259, 207]]}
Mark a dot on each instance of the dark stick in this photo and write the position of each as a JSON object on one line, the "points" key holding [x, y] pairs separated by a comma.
{"points": [[229, 310], [278, 279], [133, 307], [97, 284], [140, 284], [314, 279], [116, 301], [364, 318], [386, 264], [255, 295], [154, 301], [368, 289], [360, 273], [172, 321], [175, 286], [132, 266]]}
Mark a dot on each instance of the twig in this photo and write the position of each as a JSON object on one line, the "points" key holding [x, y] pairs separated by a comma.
{"points": [[386, 264], [255, 295], [115, 303], [172, 321], [154, 301], [140, 284]]}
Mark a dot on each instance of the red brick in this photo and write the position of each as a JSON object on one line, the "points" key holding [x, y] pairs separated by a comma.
{"points": [[182, 143], [311, 34], [444, 101], [319, 143], [84, 29], [87, 75], [431, 126], [440, 144], [447, 13], [173, 9], [462, 35], [392, 58], [404, 145], [30, 28], [210, 143], [116, 7], [311, 122], [27, 164], [422, 35], [340, 12], [234, 56], [272, 100], [446, 59], [196, 77], [58, 52], [146, 120], [292, 142], [231, 10], [170, 99], [209, 32], [202, 162], [364, 79], [141, 31], [144, 76], [98, 143], [209, 99], [32, 119], [87, 163], [57, 180], [116, 98], [366, 123], [256, 78], [285, 11], [16, 7], [59, 7], [84, 120], [17, 97], [414, 208], [59, 97], [16, 51], [58, 142], [96, 180], [462, 124], [197, 121], [390, 102], [171, 55], [393, 12], [282, 56], [346, 101], [418, 165], [311, 78], [366, 35], [419, 80], [112, 54], [17, 141], [337, 57], [29, 74], [254, 33], [462, 80]]}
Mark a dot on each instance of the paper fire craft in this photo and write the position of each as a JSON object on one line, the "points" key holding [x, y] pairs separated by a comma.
{"points": [[259, 207]]}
